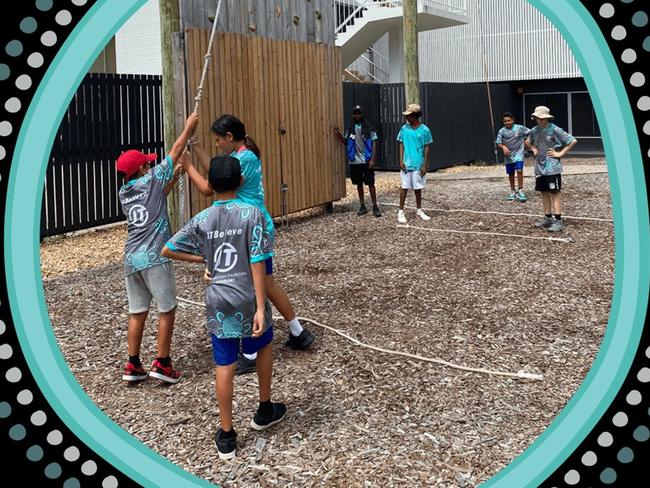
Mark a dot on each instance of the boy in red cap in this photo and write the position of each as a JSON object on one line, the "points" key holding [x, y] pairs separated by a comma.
{"points": [[148, 275]]}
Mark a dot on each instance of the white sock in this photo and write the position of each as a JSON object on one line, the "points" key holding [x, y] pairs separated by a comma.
{"points": [[294, 327], [250, 357]]}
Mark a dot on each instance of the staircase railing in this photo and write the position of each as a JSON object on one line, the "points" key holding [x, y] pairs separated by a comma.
{"points": [[348, 11]]}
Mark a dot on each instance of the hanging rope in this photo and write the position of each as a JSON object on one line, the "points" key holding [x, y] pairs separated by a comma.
{"points": [[197, 101], [519, 374]]}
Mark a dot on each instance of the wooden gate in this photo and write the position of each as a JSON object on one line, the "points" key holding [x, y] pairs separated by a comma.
{"points": [[289, 95]]}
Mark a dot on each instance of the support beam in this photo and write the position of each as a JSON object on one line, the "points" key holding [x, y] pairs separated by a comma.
{"points": [[169, 23], [411, 69]]}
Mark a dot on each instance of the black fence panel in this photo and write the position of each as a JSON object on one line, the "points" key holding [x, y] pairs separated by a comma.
{"points": [[107, 115], [458, 115]]}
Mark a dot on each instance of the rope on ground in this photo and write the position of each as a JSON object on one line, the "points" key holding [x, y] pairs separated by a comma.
{"points": [[513, 214], [519, 374], [565, 240]]}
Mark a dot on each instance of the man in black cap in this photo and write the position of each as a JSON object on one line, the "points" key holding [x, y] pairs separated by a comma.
{"points": [[360, 140]]}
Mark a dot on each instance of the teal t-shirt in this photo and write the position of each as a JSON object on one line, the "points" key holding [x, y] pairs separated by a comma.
{"points": [[414, 141], [252, 190]]}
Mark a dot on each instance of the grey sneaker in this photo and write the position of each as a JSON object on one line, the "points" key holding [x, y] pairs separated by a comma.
{"points": [[544, 223], [362, 211], [556, 226]]}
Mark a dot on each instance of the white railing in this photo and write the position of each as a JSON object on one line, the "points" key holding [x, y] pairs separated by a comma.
{"points": [[350, 10], [347, 11]]}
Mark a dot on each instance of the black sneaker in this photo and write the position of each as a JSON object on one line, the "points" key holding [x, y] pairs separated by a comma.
{"points": [[263, 422], [362, 210], [376, 212], [226, 446], [245, 365], [301, 342]]}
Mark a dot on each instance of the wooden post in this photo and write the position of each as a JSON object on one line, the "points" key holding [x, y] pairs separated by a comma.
{"points": [[411, 70], [169, 23]]}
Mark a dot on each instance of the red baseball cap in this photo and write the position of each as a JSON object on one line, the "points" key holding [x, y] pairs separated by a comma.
{"points": [[130, 161]]}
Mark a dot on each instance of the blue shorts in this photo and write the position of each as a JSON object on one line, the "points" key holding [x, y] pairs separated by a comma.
{"points": [[268, 262], [511, 167], [225, 351]]}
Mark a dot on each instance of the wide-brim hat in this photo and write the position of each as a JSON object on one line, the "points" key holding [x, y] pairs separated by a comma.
{"points": [[413, 108], [130, 161], [542, 112]]}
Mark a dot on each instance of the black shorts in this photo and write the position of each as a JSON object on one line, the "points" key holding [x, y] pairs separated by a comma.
{"points": [[548, 183], [362, 174]]}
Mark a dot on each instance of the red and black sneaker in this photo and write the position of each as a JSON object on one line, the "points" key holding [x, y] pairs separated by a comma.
{"points": [[134, 373], [164, 373]]}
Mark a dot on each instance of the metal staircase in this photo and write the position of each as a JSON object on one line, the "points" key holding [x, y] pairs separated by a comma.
{"points": [[361, 23]]}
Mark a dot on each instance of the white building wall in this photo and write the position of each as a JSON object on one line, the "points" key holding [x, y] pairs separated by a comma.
{"points": [[137, 43], [518, 41]]}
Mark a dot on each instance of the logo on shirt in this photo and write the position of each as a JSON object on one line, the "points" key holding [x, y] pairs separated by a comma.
{"points": [[225, 258], [138, 215]]}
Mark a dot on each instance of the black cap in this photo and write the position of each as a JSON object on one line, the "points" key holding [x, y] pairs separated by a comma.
{"points": [[357, 110], [224, 174]]}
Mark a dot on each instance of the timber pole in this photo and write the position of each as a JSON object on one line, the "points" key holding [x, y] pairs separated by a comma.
{"points": [[169, 23], [411, 69]]}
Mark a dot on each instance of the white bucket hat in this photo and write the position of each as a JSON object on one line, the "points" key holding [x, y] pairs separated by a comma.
{"points": [[542, 112]]}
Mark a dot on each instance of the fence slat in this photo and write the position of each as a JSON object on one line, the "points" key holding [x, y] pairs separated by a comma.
{"points": [[107, 115]]}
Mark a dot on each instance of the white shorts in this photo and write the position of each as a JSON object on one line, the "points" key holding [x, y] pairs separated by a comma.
{"points": [[411, 180], [157, 282]]}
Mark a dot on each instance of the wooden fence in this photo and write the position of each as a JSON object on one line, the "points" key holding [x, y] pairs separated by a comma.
{"points": [[108, 115], [289, 95]]}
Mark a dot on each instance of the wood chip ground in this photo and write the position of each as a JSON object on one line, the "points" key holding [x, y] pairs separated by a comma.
{"points": [[358, 418]]}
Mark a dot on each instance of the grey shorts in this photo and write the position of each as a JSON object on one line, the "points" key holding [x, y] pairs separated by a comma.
{"points": [[158, 282]]}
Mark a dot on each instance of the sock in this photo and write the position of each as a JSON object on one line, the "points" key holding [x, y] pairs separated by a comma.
{"points": [[135, 360], [558, 216], [294, 327], [250, 357], [265, 408], [228, 434], [548, 216], [165, 362]]}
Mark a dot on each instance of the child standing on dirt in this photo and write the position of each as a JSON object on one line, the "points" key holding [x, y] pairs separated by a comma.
{"points": [[511, 139], [148, 275], [229, 133], [360, 140], [549, 143], [231, 236], [414, 138]]}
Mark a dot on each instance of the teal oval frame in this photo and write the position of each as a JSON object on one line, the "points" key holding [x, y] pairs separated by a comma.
{"points": [[93, 427]]}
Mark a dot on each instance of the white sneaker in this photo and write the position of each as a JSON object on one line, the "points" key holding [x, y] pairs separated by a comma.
{"points": [[401, 218], [420, 213]]}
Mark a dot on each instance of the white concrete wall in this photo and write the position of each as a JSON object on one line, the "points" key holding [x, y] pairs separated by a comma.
{"points": [[137, 43]]}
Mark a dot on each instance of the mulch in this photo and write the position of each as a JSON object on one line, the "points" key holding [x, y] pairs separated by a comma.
{"points": [[357, 417]]}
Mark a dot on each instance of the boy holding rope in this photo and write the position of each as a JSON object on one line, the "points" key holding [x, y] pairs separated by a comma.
{"points": [[231, 236], [148, 275]]}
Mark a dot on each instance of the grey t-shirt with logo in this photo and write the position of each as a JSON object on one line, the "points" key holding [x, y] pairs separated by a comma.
{"points": [[144, 204], [230, 235], [513, 139], [544, 139]]}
